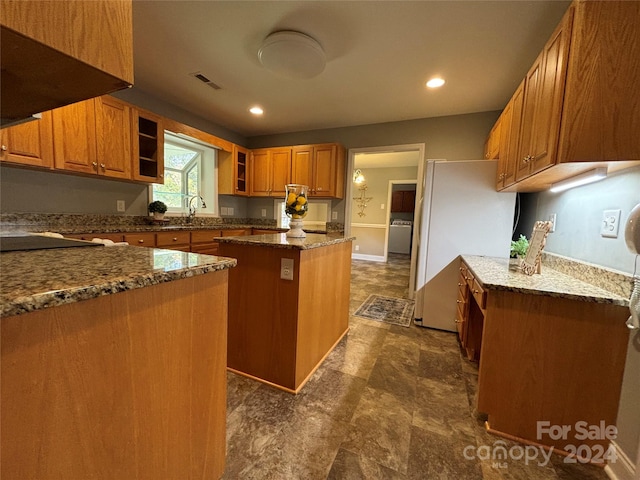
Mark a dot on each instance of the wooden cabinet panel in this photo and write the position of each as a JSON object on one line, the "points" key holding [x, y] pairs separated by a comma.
{"points": [[509, 131], [492, 145], [173, 239], [237, 232], [147, 146], [94, 137], [233, 171], [141, 239], [205, 236], [403, 201], [321, 167], [113, 137], [270, 171], [114, 237], [83, 49], [29, 144], [74, 144]]}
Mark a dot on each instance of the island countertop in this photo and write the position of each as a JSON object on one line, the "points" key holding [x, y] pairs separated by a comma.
{"points": [[37, 279], [312, 240], [496, 274]]}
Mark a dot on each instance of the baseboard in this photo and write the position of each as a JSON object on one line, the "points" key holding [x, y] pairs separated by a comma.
{"points": [[371, 258], [622, 468]]}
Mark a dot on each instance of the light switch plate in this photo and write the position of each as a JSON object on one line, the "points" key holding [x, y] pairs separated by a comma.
{"points": [[263, 212], [610, 223], [224, 211], [552, 219], [286, 268], [230, 210], [334, 215], [120, 206]]}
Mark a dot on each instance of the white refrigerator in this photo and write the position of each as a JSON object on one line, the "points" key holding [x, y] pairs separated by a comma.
{"points": [[460, 212]]}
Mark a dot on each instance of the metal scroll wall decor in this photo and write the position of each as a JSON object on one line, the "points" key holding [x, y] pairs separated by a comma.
{"points": [[362, 200]]}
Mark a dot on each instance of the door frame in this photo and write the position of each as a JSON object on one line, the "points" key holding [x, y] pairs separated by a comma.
{"points": [[420, 148]]}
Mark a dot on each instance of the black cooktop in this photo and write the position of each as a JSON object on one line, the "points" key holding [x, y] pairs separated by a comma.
{"points": [[39, 242]]}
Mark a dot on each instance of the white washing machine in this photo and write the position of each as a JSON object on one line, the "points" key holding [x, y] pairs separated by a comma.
{"points": [[400, 236]]}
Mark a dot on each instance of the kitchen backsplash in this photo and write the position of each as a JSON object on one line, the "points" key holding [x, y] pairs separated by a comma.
{"points": [[614, 281]]}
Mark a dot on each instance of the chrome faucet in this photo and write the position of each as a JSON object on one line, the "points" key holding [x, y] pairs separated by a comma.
{"points": [[192, 209]]}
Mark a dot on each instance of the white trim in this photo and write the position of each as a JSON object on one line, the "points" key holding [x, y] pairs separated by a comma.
{"points": [[369, 225], [622, 468], [371, 258]]}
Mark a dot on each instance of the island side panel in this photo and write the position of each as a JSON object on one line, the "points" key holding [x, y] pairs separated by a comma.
{"points": [[263, 311], [325, 276], [129, 385], [550, 359]]}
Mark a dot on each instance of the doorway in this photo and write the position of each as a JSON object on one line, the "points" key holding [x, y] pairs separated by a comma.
{"points": [[369, 196]]}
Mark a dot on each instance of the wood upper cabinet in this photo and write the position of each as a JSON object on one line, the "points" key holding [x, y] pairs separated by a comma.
{"points": [[233, 171], [580, 98], [321, 167], [28, 144], [55, 53], [543, 96], [510, 122], [94, 137], [270, 171], [492, 145], [148, 146], [403, 201]]}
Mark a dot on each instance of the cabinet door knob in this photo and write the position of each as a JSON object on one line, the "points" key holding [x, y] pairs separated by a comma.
{"points": [[162, 175], [103, 166], [460, 284], [476, 292], [140, 241], [456, 320], [175, 239], [4, 148], [458, 301]]}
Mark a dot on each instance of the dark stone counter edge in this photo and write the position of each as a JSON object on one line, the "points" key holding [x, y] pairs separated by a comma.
{"points": [[45, 300]]}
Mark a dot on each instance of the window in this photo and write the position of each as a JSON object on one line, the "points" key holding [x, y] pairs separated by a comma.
{"points": [[189, 171]]}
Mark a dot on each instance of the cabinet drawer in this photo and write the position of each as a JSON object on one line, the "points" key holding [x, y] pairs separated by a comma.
{"points": [[470, 279], [206, 248], [205, 236], [169, 239], [141, 239], [462, 287], [479, 294]]}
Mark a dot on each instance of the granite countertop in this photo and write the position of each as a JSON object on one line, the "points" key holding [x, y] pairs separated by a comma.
{"points": [[312, 240], [37, 279], [495, 274]]}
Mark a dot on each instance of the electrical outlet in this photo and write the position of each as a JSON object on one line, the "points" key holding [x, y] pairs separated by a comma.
{"points": [[120, 206], [334, 215], [264, 212], [610, 223], [224, 211], [382, 206], [552, 219], [286, 268], [357, 248]]}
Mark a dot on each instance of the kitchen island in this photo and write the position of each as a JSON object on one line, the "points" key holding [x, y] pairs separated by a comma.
{"points": [[281, 329], [552, 352], [113, 363]]}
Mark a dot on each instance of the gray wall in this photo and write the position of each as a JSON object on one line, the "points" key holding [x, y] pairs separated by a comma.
{"points": [[577, 235], [459, 137]]}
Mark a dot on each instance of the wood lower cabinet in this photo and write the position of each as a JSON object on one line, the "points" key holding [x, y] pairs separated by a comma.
{"points": [[270, 171], [204, 241], [178, 240], [124, 386], [542, 358], [140, 239], [321, 167], [281, 330], [29, 144], [94, 137], [114, 237]]}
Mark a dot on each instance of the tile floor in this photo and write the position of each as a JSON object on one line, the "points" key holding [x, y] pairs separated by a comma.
{"points": [[389, 403]]}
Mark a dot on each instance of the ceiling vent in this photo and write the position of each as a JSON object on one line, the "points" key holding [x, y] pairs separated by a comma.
{"points": [[204, 79]]}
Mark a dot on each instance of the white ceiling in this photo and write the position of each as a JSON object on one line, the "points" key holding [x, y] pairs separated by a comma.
{"points": [[379, 56]]}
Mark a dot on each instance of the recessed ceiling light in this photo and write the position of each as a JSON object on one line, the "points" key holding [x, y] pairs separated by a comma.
{"points": [[435, 82], [256, 110]]}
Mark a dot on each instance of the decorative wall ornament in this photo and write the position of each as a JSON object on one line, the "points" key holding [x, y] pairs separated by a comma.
{"points": [[362, 200]]}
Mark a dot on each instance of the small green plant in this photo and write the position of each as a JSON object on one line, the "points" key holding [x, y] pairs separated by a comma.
{"points": [[519, 247], [157, 207]]}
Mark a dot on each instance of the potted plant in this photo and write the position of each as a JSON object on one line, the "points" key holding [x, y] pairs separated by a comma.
{"points": [[157, 209], [519, 247]]}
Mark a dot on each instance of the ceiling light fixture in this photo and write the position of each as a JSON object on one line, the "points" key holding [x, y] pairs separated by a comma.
{"points": [[582, 179], [435, 82], [256, 110], [292, 54]]}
